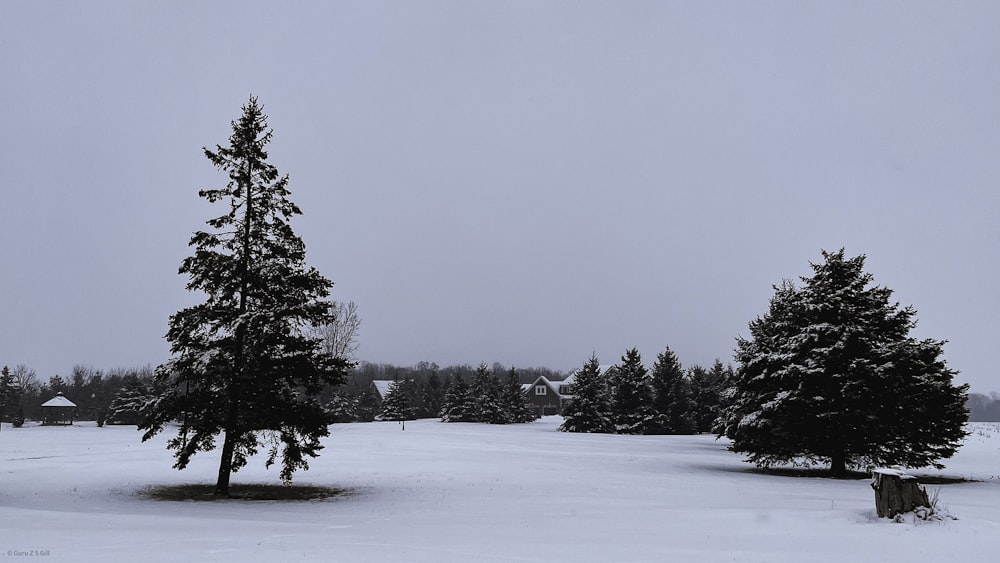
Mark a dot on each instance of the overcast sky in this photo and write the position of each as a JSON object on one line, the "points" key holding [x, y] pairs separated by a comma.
{"points": [[514, 182]]}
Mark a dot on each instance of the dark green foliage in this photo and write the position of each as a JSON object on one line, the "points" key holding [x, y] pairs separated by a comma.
{"points": [[431, 396], [342, 408], [366, 407], [706, 393], [458, 402], [10, 395], [18, 420], [589, 411], [673, 410], [129, 402], [486, 401], [831, 375], [631, 396], [396, 404], [514, 404], [244, 364]]}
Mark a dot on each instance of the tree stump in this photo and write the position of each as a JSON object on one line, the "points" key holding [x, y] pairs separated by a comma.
{"points": [[896, 493]]}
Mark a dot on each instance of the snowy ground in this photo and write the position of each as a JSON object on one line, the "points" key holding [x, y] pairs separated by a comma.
{"points": [[469, 492]]}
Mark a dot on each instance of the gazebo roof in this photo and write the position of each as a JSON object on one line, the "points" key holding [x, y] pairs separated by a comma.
{"points": [[59, 401]]}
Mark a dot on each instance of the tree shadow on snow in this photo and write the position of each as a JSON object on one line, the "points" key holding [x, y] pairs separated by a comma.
{"points": [[824, 473], [249, 491]]}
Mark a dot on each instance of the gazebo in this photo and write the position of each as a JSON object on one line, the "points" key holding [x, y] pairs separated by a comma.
{"points": [[58, 411]]}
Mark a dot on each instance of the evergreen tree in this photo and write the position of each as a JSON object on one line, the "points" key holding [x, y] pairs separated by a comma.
{"points": [[706, 393], [515, 406], [485, 392], [433, 395], [589, 411], [342, 408], [367, 406], [457, 402], [129, 402], [243, 364], [672, 407], [631, 396], [9, 394], [831, 375], [396, 405]]}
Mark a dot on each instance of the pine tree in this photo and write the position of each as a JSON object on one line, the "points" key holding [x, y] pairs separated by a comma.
{"points": [[367, 406], [831, 375], [589, 410], [485, 392], [243, 364], [9, 395], [631, 396], [433, 395], [672, 407], [342, 408], [457, 402], [129, 402], [706, 390], [515, 406], [396, 405]]}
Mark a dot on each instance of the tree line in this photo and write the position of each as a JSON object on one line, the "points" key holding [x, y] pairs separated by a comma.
{"points": [[629, 399], [984, 408], [93, 391]]}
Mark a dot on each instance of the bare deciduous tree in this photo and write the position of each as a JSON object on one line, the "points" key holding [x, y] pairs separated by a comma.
{"points": [[24, 378], [340, 338]]}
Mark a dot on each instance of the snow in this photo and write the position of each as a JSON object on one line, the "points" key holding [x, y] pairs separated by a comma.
{"points": [[450, 492], [382, 386], [59, 401], [894, 472]]}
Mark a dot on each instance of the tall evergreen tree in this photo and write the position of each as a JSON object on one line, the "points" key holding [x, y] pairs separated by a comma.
{"points": [[831, 375], [631, 396], [672, 407], [433, 395], [342, 408], [367, 406], [589, 410], [242, 362], [706, 391], [515, 406], [396, 405], [486, 401], [457, 402], [8, 393]]}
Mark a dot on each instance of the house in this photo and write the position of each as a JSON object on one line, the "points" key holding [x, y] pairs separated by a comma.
{"points": [[58, 411], [547, 397]]}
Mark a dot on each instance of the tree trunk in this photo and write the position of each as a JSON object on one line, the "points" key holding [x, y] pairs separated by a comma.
{"points": [[225, 465], [896, 493], [229, 445]]}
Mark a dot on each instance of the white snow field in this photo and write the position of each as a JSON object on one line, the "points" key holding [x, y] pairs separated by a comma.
{"points": [[469, 493]]}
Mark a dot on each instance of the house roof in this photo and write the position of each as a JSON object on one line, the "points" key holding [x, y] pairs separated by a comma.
{"points": [[552, 385], [571, 379], [525, 387], [382, 386], [59, 401]]}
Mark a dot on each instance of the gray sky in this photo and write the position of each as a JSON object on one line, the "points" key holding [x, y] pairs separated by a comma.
{"points": [[521, 182]]}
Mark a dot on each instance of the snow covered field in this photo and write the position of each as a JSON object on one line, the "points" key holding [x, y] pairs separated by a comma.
{"points": [[470, 492]]}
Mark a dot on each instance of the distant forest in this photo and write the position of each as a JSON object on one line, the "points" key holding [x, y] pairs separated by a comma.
{"points": [[94, 391], [984, 408], [22, 392]]}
